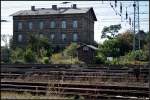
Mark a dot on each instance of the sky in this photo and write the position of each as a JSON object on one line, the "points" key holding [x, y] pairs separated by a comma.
{"points": [[105, 14]]}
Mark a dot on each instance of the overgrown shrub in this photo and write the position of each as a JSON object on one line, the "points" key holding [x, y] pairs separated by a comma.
{"points": [[46, 60], [29, 56]]}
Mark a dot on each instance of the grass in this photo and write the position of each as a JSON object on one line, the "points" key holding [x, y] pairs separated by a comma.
{"points": [[25, 95]]}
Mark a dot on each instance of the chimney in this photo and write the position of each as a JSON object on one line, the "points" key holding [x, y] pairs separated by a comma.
{"points": [[74, 6], [32, 8], [54, 7]]}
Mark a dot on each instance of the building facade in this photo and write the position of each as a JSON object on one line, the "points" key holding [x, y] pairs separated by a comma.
{"points": [[61, 25]]}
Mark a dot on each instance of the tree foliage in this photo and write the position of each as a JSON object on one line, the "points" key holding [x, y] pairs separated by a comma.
{"points": [[113, 29], [71, 50]]}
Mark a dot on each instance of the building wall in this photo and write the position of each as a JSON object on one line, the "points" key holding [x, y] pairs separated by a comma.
{"points": [[86, 56], [85, 29]]}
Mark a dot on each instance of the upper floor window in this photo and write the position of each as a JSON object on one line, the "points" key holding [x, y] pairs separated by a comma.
{"points": [[52, 24], [75, 37], [63, 24], [41, 25], [75, 24], [19, 37], [63, 37], [20, 26], [52, 36], [30, 25]]}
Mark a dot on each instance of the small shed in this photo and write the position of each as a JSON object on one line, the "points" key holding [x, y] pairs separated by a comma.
{"points": [[86, 53]]}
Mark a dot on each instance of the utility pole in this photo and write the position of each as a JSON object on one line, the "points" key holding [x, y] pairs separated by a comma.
{"points": [[138, 24], [134, 5]]}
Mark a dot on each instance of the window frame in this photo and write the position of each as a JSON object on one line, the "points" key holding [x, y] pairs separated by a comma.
{"points": [[64, 37], [20, 37], [20, 24], [63, 24], [30, 25], [52, 38], [52, 24], [41, 25], [75, 37], [75, 25]]}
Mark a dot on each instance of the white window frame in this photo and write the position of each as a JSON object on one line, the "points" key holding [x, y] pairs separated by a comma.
{"points": [[19, 25], [75, 23], [75, 37], [63, 24], [20, 37], [41, 25], [30, 25], [52, 24]]}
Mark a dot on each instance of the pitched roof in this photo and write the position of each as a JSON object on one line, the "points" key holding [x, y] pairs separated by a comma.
{"points": [[90, 46], [50, 11]]}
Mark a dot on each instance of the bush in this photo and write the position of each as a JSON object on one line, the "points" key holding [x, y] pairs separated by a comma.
{"points": [[29, 56], [19, 62], [100, 59], [138, 55], [46, 60], [71, 50]]}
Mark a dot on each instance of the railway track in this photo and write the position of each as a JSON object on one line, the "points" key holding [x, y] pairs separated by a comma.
{"points": [[87, 90], [66, 73]]}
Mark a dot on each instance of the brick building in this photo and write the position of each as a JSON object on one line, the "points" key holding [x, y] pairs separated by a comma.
{"points": [[62, 25]]}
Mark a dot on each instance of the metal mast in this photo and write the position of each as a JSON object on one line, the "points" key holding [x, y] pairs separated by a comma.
{"points": [[136, 24]]}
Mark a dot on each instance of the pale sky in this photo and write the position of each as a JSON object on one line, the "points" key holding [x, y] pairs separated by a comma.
{"points": [[106, 16]]}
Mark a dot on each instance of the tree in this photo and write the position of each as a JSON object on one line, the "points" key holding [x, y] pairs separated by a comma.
{"points": [[6, 38], [37, 44], [117, 46], [113, 29], [71, 50], [16, 55]]}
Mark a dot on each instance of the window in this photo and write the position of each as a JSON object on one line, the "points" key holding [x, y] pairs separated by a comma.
{"points": [[30, 25], [63, 37], [52, 36], [85, 48], [41, 25], [75, 24], [52, 24], [20, 26], [63, 24], [75, 37], [19, 37], [41, 35]]}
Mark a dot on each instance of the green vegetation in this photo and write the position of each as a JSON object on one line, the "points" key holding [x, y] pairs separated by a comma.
{"points": [[119, 47], [67, 56]]}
